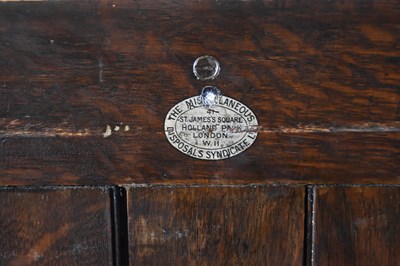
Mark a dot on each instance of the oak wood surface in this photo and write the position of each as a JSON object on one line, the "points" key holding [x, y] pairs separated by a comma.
{"points": [[357, 226], [274, 158], [242, 225], [322, 77], [55, 226]]}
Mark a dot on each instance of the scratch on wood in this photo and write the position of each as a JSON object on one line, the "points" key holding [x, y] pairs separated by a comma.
{"points": [[41, 246], [360, 128], [54, 132], [24, 0], [100, 61], [108, 132], [381, 219], [300, 129], [16, 128]]}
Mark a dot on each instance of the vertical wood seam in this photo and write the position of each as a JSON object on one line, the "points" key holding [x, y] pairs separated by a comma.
{"points": [[114, 226], [309, 226], [313, 196], [119, 226]]}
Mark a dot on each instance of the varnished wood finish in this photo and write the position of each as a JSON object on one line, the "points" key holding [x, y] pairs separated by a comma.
{"points": [[55, 226], [252, 225], [357, 226], [322, 78], [274, 158]]}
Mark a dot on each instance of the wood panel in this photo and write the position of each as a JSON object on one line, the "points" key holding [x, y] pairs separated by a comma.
{"points": [[221, 225], [313, 72], [357, 226], [275, 158], [55, 226]]}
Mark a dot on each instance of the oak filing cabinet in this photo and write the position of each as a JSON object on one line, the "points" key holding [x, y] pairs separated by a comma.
{"points": [[88, 176]]}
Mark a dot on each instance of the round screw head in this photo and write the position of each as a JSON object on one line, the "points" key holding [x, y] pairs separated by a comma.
{"points": [[210, 96], [206, 67]]}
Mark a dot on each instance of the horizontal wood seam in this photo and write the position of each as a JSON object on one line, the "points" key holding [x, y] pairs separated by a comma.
{"points": [[128, 186], [355, 185], [55, 187], [356, 128]]}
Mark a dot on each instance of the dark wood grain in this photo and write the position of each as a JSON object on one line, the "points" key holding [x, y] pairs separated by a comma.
{"points": [[242, 225], [322, 78], [357, 226], [55, 226], [275, 158]]}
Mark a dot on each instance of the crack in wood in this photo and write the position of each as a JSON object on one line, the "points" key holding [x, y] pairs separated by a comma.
{"points": [[300, 129], [363, 128], [48, 133]]}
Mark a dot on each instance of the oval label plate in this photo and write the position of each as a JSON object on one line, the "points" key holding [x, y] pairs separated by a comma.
{"points": [[225, 130]]}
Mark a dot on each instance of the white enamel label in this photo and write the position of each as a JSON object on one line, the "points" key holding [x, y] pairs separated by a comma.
{"points": [[223, 131]]}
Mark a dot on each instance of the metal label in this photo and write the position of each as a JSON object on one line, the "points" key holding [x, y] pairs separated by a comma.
{"points": [[223, 131]]}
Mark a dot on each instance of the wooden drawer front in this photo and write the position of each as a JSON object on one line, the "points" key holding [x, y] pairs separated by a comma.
{"points": [[55, 226], [357, 226], [252, 225]]}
